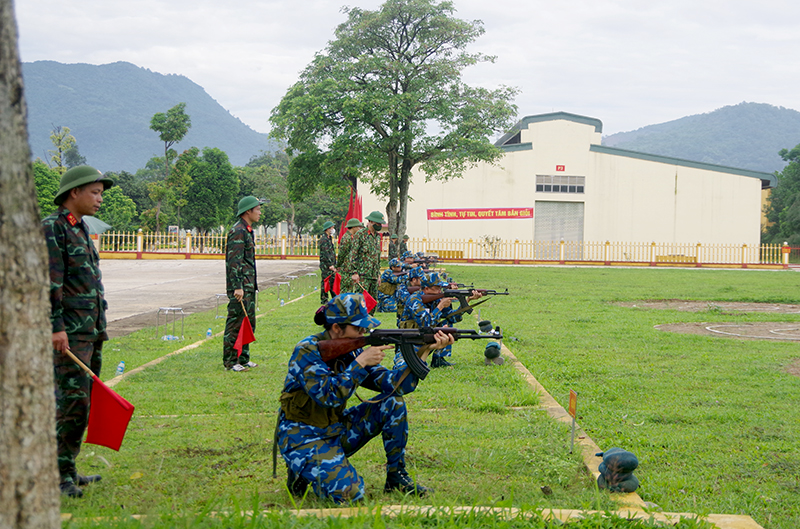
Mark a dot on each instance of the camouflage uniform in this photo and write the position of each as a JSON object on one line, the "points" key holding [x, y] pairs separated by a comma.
{"points": [[403, 247], [393, 247], [327, 258], [240, 272], [402, 294], [388, 288], [78, 307], [343, 262], [315, 393], [365, 260]]}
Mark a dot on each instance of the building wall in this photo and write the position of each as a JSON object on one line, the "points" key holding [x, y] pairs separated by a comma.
{"points": [[626, 199]]}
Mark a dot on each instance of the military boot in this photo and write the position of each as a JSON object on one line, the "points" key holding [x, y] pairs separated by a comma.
{"points": [[400, 480], [439, 361], [297, 484], [87, 480], [69, 488]]}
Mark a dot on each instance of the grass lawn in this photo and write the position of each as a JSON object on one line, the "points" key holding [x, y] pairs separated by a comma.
{"points": [[713, 421]]}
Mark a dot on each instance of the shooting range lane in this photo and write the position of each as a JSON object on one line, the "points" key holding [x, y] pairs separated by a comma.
{"points": [[135, 289]]}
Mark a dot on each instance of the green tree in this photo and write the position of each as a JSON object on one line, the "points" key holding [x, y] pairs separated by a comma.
{"points": [[135, 188], [47, 183], [117, 210], [171, 128], [783, 209], [63, 142], [73, 157], [386, 95], [213, 190]]}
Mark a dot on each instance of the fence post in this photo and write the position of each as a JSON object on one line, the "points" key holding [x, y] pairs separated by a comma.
{"points": [[469, 251], [139, 241], [744, 261], [653, 253], [188, 242], [699, 249], [786, 251], [516, 251], [561, 252], [283, 246], [605, 252]]}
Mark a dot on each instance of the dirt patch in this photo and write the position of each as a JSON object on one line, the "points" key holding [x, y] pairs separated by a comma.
{"points": [[786, 331], [711, 306]]}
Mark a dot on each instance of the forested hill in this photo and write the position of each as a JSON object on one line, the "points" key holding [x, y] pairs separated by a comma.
{"points": [[108, 109], [746, 136]]}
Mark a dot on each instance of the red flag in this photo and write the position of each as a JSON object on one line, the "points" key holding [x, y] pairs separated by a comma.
{"points": [[109, 415], [370, 301], [326, 285], [245, 337], [337, 284]]}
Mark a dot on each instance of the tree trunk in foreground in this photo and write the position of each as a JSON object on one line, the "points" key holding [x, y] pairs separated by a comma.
{"points": [[29, 496]]}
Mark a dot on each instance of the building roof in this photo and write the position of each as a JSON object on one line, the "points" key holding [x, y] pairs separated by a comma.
{"points": [[510, 142]]}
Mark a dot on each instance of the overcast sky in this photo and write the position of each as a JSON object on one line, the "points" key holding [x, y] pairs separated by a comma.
{"points": [[627, 63]]}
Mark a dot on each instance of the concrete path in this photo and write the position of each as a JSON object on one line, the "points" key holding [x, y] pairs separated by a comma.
{"points": [[135, 289]]}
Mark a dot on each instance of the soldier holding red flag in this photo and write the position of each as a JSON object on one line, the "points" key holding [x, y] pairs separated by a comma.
{"points": [[78, 313], [241, 284], [365, 257]]}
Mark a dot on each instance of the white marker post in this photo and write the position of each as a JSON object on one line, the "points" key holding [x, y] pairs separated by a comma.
{"points": [[573, 406]]}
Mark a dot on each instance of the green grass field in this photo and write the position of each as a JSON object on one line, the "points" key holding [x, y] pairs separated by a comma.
{"points": [[713, 421]]}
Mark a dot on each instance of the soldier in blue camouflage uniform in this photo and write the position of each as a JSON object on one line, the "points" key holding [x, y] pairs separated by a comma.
{"points": [[317, 433], [78, 313], [364, 261], [413, 279], [327, 261], [388, 286], [417, 314], [241, 283], [408, 261], [352, 227]]}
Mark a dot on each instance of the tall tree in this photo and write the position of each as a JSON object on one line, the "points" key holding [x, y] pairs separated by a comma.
{"points": [[73, 157], [171, 128], [783, 209], [63, 142], [213, 190], [29, 496], [117, 210], [386, 95], [46, 181]]}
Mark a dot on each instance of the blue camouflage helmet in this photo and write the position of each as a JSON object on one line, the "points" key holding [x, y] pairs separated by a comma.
{"points": [[407, 255], [416, 273], [350, 309], [395, 263], [433, 280]]}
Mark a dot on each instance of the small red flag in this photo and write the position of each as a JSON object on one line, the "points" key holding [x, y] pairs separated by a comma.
{"points": [[109, 415], [370, 301], [326, 284], [337, 284], [245, 337]]}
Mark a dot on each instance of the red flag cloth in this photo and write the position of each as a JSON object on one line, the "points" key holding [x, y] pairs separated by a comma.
{"points": [[326, 285], [370, 301], [245, 337], [337, 284], [350, 213], [109, 415]]}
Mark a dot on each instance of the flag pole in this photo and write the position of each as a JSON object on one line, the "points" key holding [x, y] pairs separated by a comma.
{"points": [[78, 361]]}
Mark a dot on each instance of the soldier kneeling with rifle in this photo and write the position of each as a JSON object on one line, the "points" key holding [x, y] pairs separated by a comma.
{"points": [[316, 433]]}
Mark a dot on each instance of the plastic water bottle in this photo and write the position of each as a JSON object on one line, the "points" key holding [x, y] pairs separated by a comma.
{"points": [[120, 368], [281, 302], [208, 333]]}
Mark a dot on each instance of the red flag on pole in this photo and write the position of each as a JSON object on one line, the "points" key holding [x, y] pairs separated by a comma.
{"points": [[369, 300], [326, 284], [337, 284], [245, 336], [109, 416]]}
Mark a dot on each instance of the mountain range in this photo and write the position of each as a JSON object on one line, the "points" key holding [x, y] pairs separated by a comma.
{"points": [[108, 109], [745, 136]]}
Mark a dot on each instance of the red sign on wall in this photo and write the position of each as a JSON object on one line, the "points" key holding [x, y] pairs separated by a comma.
{"points": [[561, 168], [480, 213]]}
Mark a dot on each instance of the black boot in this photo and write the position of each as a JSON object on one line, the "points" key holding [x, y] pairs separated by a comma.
{"points": [[87, 480], [400, 480], [439, 361], [68, 488], [297, 484]]}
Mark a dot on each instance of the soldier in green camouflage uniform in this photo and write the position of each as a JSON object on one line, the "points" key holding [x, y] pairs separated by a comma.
{"points": [[403, 245], [78, 313], [393, 246], [327, 261], [241, 283], [353, 226], [364, 261]]}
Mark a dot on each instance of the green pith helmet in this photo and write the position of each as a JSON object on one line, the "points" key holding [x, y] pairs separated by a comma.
{"points": [[248, 203], [376, 216], [78, 176], [405, 237], [328, 224], [393, 236], [354, 223]]}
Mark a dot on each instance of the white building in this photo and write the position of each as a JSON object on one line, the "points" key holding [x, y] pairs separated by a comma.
{"points": [[556, 181]]}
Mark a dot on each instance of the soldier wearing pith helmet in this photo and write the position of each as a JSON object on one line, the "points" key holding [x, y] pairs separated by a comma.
{"points": [[365, 256], [241, 282], [77, 313], [327, 261], [352, 227]]}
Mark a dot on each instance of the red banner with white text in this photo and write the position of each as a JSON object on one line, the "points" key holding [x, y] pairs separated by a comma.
{"points": [[480, 213]]}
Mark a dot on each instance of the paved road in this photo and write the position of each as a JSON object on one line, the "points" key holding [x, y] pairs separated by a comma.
{"points": [[135, 289]]}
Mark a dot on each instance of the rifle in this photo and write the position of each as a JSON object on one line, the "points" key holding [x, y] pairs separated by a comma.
{"points": [[404, 339]]}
